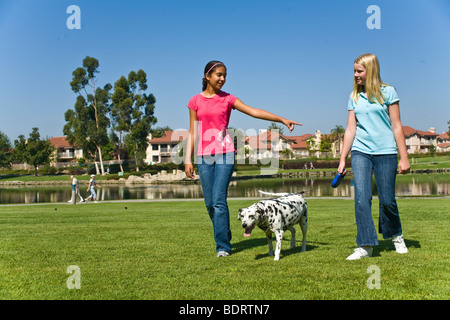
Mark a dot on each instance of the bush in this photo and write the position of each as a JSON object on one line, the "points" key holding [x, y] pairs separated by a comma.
{"points": [[114, 168], [47, 169]]}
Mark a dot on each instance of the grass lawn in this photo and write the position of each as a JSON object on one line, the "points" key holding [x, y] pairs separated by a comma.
{"points": [[165, 250], [437, 162]]}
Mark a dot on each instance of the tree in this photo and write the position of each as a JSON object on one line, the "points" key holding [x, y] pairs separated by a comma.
{"points": [[87, 125], [274, 126], [159, 131], [5, 151], [325, 143], [432, 150], [133, 112], [238, 137], [338, 132], [33, 151]]}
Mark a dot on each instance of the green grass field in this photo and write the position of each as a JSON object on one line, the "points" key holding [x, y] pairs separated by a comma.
{"points": [[165, 250]]}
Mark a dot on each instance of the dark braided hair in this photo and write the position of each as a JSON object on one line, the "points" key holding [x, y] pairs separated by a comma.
{"points": [[208, 69]]}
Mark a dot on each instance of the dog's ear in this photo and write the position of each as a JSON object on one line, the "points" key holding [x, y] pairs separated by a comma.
{"points": [[239, 214]]}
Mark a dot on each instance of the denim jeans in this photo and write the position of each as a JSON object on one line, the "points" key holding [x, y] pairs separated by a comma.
{"points": [[384, 167], [215, 174]]}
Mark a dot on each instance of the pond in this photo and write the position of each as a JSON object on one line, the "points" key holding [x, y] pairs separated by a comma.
{"points": [[408, 185]]}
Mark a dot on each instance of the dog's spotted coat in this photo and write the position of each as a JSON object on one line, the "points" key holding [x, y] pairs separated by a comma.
{"points": [[276, 216]]}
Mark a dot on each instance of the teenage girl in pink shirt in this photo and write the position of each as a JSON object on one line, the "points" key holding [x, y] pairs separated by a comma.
{"points": [[209, 114]]}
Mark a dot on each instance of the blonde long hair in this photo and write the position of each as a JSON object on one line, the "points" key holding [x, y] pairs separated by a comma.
{"points": [[373, 80]]}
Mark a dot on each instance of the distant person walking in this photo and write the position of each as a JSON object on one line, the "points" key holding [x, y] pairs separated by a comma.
{"points": [[91, 188], [374, 134], [75, 190]]}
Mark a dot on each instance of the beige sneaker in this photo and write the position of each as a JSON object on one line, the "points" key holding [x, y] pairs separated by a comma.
{"points": [[399, 244], [360, 252]]}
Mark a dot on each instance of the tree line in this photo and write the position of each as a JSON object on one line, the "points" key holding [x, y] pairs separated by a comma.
{"points": [[120, 116], [34, 150], [127, 109], [117, 119]]}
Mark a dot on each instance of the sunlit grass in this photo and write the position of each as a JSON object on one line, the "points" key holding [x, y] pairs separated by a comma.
{"points": [[165, 250]]}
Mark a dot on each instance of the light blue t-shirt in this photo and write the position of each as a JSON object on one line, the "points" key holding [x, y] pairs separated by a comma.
{"points": [[374, 134]]}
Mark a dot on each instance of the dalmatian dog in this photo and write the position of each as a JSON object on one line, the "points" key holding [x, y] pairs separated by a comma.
{"points": [[277, 215]]}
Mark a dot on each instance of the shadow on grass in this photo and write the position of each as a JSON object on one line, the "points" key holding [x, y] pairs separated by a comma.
{"points": [[249, 243], [258, 242], [388, 245]]}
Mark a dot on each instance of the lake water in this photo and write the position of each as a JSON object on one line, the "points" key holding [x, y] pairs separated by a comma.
{"points": [[409, 185]]}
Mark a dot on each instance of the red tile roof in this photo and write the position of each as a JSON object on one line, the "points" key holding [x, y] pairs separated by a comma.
{"points": [[300, 141], [444, 145], [264, 139], [444, 136], [408, 131], [261, 141], [256, 143], [170, 137], [61, 142]]}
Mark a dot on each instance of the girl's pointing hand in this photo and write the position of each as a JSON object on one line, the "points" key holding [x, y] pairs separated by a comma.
{"points": [[290, 124]]}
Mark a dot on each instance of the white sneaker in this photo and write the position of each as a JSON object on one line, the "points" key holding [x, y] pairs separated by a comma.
{"points": [[399, 244], [360, 252], [222, 254]]}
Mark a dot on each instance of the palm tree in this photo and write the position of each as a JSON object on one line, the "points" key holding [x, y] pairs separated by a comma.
{"points": [[338, 131]]}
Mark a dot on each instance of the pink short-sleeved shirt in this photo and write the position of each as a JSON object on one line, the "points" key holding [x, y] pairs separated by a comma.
{"points": [[213, 115]]}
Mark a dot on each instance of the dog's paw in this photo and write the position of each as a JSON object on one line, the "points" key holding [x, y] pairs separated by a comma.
{"points": [[276, 258]]}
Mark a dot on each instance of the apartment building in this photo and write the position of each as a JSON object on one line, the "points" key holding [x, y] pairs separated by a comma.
{"points": [[418, 141], [268, 144], [263, 146], [162, 149], [65, 152]]}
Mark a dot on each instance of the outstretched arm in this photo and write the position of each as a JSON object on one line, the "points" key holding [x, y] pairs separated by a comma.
{"points": [[264, 115]]}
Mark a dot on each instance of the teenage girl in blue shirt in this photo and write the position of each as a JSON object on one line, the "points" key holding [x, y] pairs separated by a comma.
{"points": [[374, 135]]}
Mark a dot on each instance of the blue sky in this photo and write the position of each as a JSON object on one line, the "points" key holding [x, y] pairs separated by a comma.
{"points": [[293, 58]]}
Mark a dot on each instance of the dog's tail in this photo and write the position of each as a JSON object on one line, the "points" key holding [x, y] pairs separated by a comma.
{"points": [[279, 194]]}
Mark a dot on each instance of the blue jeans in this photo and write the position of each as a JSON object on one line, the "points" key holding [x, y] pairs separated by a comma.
{"points": [[215, 174], [384, 168]]}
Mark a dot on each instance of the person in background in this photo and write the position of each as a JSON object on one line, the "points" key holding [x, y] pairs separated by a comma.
{"points": [[91, 188], [76, 188]]}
